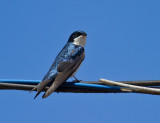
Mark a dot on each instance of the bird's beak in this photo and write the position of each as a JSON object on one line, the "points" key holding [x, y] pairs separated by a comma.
{"points": [[84, 34]]}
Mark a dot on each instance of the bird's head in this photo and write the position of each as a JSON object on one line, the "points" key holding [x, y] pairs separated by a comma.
{"points": [[78, 38]]}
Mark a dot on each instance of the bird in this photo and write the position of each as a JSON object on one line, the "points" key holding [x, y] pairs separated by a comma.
{"points": [[65, 64]]}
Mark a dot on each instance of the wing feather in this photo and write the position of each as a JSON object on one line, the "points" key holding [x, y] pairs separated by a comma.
{"points": [[66, 69]]}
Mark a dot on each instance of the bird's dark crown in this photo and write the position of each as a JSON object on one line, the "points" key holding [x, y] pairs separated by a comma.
{"points": [[75, 35]]}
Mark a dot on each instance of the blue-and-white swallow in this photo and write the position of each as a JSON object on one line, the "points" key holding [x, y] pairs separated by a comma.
{"points": [[65, 65]]}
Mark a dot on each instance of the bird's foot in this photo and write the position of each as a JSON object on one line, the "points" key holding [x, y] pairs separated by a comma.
{"points": [[76, 80]]}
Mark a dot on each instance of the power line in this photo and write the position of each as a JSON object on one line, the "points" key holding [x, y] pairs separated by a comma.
{"points": [[82, 87]]}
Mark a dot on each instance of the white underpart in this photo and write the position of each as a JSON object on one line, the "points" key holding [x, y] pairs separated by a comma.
{"points": [[81, 41]]}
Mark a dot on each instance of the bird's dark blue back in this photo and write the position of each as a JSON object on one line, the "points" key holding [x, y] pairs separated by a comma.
{"points": [[69, 52]]}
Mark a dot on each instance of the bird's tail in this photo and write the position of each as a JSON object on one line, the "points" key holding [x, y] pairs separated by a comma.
{"points": [[59, 80], [51, 89], [40, 87]]}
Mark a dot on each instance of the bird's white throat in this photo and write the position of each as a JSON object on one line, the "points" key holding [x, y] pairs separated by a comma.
{"points": [[80, 41]]}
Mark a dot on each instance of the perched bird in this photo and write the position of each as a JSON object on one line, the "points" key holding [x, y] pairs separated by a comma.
{"points": [[65, 65]]}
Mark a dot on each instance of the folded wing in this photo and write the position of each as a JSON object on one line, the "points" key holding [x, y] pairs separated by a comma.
{"points": [[66, 69]]}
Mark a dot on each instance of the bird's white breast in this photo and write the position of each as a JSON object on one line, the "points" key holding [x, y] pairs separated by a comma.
{"points": [[80, 41]]}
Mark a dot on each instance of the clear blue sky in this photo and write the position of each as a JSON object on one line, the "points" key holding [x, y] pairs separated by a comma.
{"points": [[123, 43]]}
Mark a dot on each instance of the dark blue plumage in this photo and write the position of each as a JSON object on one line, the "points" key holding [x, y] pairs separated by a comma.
{"points": [[69, 52], [65, 65]]}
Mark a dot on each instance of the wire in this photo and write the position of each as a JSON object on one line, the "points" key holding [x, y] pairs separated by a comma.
{"points": [[66, 87], [72, 87]]}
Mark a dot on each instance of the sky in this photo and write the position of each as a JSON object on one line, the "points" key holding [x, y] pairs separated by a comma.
{"points": [[122, 44]]}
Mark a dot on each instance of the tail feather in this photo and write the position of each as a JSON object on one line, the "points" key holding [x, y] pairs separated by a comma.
{"points": [[59, 80], [43, 84], [40, 87], [37, 94], [52, 88], [34, 89], [48, 92]]}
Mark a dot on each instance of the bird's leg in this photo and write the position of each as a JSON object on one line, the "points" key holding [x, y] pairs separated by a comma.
{"points": [[76, 80]]}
